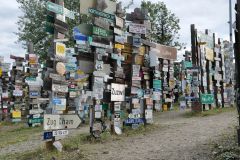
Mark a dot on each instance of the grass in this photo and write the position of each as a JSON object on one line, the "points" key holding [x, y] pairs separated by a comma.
{"points": [[16, 133], [77, 147], [212, 112]]}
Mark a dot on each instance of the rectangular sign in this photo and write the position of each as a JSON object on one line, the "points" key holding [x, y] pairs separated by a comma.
{"points": [[137, 28], [17, 93], [60, 49], [207, 98], [59, 104], [100, 22], [117, 92], [59, 88], [101, 14], [53, 7], [119, 22], [101, 32], [165, 52], [60, 133]]}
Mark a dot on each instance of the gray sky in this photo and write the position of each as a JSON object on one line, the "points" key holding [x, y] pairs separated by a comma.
{"points": [[205, 14]]}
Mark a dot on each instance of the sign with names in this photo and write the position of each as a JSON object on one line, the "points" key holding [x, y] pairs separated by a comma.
{"points": [[137, 28], [59, 104], [117, 92], [101, 14], [59, 88]]}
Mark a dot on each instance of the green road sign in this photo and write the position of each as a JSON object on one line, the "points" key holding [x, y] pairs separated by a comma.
{"points": [[207, 98], [35, 120], [187, 64], [54, 7], [101, 32], [102, 14]]}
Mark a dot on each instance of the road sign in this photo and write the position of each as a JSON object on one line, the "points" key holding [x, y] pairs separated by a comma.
{"points": [[207, 98], [101, 14], [60, 133], [54, 7], [101, 32], [68, 121]]}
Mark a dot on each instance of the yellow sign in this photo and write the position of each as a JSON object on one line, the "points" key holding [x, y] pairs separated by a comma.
{"points": [[60, 49], [142, 50], [119, 46], [209, 54], [16, 114], [0, 72]]}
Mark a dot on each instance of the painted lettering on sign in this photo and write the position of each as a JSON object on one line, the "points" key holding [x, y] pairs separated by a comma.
{"points": [[101, 14], [117, 92], [137, 28]]}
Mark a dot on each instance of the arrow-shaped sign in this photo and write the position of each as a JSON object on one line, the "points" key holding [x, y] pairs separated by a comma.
{"points": [[68, 121]]}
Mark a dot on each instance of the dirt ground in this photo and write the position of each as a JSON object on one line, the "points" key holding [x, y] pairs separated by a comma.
{"points": [[178, 138], [175, 137]]}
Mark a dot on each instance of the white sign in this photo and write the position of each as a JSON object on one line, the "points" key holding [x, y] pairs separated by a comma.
{"points": [[53, 122], [59, 88], [117, 92], [137, 28], [60, 133], [17, 93], [119, 22]]}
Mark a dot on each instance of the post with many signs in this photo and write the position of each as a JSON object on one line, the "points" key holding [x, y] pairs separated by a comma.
{"points": [[56, 120]]}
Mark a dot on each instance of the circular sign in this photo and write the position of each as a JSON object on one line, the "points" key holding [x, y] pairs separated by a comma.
{"points": [[61, 69]]}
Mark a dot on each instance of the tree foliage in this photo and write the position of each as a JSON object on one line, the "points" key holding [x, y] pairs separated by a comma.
{"points": [[165, 25]]}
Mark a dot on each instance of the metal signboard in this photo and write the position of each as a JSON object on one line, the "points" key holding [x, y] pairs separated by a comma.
{"points": [[60, 133], [34, 94], [53, 7], [120, 39], [59, 88], [207, 98], [117, 92], [137, 28], [101, 32], [59, 104], [101, 14], [47, 135]]}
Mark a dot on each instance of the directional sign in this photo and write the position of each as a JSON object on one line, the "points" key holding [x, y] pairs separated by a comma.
{"points": [[101, 14], [54, 7], [54, 122]]}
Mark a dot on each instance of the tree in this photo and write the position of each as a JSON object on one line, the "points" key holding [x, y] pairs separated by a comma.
{"points": [[165, 25]]}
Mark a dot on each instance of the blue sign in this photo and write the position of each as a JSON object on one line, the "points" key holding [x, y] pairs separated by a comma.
{"points": [[34, 93], [56, 101], [47, 135], [134, 121], [77, 35]]}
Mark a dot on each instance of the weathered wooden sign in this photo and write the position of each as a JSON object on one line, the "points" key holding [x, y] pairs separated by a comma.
{"points": [[119, 22], [165, 52], [117, 92], [137, 28]]}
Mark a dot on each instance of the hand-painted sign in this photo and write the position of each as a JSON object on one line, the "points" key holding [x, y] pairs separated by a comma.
{"points": [[102, 14], [137, 28], [207, 98], [52, 122], [117, 92]]}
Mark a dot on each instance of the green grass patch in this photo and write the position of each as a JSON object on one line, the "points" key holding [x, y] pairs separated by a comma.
{"points": [[17, 135], [212, 112]]}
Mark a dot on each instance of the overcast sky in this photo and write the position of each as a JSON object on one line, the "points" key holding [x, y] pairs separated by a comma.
{"points": [[205, 14]]}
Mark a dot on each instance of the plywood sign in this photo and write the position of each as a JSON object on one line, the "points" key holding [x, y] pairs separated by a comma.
{"points": [[117, 92], [165, 52]]}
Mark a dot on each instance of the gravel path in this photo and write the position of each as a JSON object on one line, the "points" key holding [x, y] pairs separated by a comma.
{"points": [[177, 138]]}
